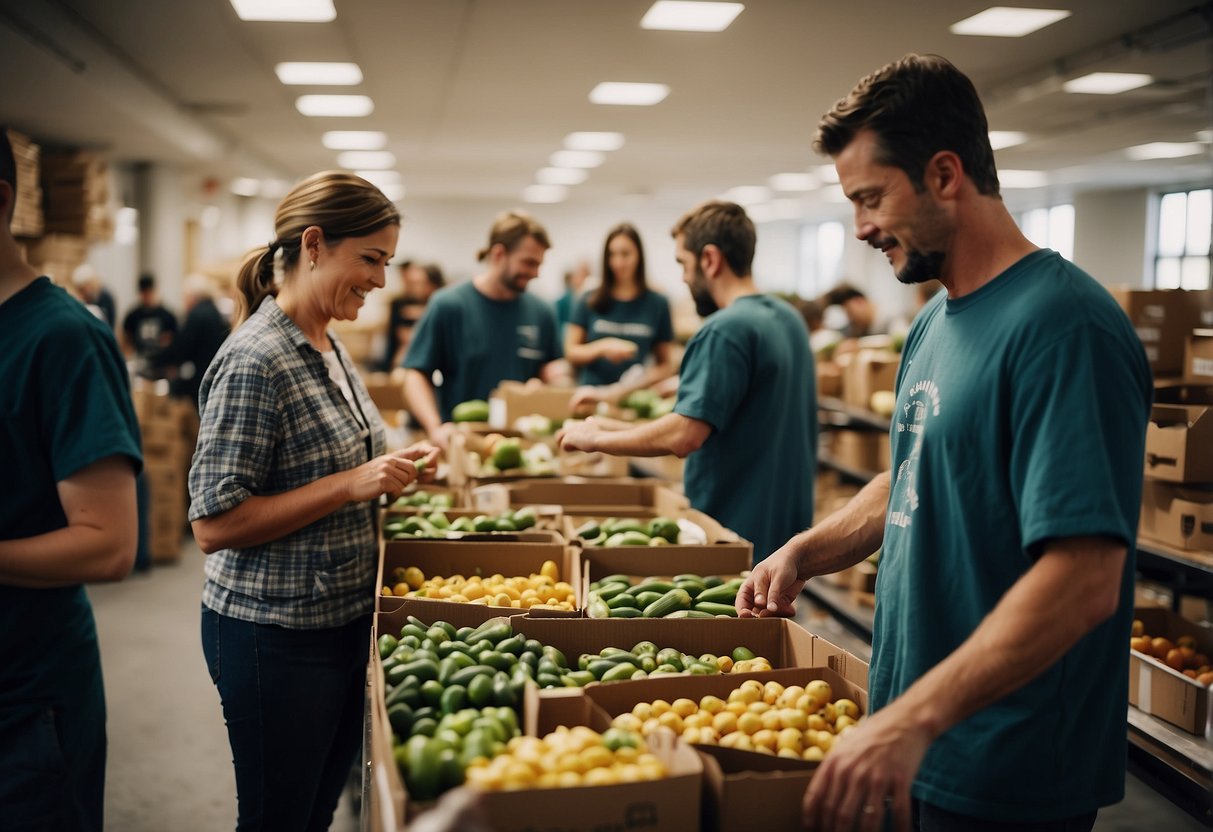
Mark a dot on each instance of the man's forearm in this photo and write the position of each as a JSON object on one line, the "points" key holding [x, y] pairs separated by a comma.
{"points": [[671, 434], [848, 536]]}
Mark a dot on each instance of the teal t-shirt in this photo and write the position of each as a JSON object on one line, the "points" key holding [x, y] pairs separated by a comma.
{"points": [[644, 320], [477, 342], [1021, 417], [64, 404], [749, 374]]}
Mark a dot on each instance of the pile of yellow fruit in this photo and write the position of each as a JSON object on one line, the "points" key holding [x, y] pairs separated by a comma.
{"points": [[800, 723], [541, 590], [567, 757]]}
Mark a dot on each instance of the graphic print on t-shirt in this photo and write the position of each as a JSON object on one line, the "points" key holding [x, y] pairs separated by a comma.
{"points": [[621, 329], [528, 342], [922, 403]]}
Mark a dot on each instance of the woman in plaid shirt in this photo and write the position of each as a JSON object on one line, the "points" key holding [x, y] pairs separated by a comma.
{"points": [[290, 466]]}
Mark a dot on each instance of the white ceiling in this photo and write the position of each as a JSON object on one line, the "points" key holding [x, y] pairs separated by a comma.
{"points": [[476, 94]]}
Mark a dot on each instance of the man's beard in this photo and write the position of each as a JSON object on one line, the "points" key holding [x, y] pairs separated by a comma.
{"points": [[704, 305], [920, 267], [514, 283]]}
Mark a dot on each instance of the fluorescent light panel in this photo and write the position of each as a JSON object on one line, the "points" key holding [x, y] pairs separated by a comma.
{"points": [[628, 94], [684, 16], [1164, 150], [1107, 83], [545, 193], [1007, 22], [366, 159], [290, 11], [340, 106], [354, 140], [793, 182], [1022, 178], [560, 176], [593, 141], [319, 74], [576, 159], [1002, 139]]}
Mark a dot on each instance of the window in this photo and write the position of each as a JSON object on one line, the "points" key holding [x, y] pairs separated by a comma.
{"points": [[1050, 228], [1182, 257], [820, 258]]}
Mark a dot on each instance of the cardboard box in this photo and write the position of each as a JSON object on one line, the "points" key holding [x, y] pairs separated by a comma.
{"points": [[745, 791], [865, 373], [547, 518], [1163, 319], [1160, 690], [1198, 356], [664, 561], [513, 399], [829, 380], [860, 450], [1179, 443], [579, 496], [1177, 516], [507, 554], [668, 504]]}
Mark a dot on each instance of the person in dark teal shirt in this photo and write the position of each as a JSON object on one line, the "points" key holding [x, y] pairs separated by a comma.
{"points": [[70, 451], [620, 325], [746, 414], [1008, 522], [486, 331]]}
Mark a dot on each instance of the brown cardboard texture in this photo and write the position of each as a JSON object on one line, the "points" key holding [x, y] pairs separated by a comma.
{"points": [[513, 399], [743, 791], [1179, 443], [1163, 318], [1198, 357], [1163, 691], [664, 561], [576, 495], [1177, 516], [867, 372], [387, 798], [485, 556], [717, 535]]}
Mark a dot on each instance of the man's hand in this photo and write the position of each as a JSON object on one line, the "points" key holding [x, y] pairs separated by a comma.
{"points": [[773, 587], [578, 436], [869, 768]]}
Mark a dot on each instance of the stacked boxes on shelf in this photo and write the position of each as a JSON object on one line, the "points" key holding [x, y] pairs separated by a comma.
{"points": [[169, 427], [77, 189], [27, 213]]}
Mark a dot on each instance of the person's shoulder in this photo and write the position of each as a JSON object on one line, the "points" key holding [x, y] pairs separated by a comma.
{"points": [[536, 305], [63, 318]]}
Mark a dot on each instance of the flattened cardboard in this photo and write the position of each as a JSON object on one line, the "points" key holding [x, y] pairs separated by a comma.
{"points": [[1162, 691]]}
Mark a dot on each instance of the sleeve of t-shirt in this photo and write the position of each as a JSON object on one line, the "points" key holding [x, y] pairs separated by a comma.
{"points": [[89, 413], [664, 331], [1078, 428], [715, 374], [425, 351], [238, 431]]}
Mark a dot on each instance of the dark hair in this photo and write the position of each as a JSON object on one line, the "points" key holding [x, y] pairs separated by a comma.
{"points": [[340, 203], [8, 169], [810, 310], [840, 294], [434, 274], [510, 229], [146, 283], [600, 300], [724, 225], [915, 108]]}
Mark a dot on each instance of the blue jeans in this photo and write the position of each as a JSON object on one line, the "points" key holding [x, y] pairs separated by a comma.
{"points": [[293, 703], [928, 818]]}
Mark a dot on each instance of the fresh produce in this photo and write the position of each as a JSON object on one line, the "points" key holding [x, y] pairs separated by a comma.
{"points": [[796, 722], [438, 525], [475, 410], [535, 426], [683, 596], [423, 500], [541, 590], [493, 454], [646, 404], [629, 531], [647, 660], [1180, 655], [568, 757]]}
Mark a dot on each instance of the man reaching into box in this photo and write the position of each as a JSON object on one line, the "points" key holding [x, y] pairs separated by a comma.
{"points": [[746, 415]]}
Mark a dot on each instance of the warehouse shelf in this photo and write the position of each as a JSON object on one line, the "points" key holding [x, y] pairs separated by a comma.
{"points": [[860, 475], [840, 603], [838, 413], [1175, 763]]}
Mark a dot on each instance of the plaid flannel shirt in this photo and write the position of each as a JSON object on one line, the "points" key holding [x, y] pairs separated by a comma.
{"points": [[272, 420]]}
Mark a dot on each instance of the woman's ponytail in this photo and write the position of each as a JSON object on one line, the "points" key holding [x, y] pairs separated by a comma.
{"points": [[255, 281]]}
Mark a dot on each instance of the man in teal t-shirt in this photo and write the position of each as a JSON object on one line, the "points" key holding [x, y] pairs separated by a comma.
{"points": [[998, 680], [69, 452], [486, 331], [746, 415]]}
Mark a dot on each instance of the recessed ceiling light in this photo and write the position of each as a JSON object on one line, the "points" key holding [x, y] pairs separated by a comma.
{"points": [[560, 176], [685, 16], [593, 141], [794, 181], [380, 178], [1107, 83], [354, 140], [748, 194], [827, 173], [626, 93], [319, 74], [1022, 178], [1002, 139], [335, 105], [1007, 22], [244, 186], [366, 159], [576, 159], [544, 193], [1164, 150], [294, 11]]}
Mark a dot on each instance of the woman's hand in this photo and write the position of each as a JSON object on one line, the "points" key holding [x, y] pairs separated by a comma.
{"points": [[616, 350], [424, 457], [389, 474]]}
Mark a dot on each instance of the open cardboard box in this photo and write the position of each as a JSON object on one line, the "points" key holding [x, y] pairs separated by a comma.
{"points": [[1179, 436], [1177, 516], [1198, 357], [1162, 691], [476, 554], [577, 496], [669, 504], [664, 561], [513, 399]]}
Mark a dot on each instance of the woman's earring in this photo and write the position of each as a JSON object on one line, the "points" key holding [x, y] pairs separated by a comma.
{"points": [[313, 262]]}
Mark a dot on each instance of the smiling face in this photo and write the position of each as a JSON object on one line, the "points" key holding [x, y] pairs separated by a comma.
{"points": [[623, 257], [695, 278], [520, 266], [910, 227], [350, 270]]}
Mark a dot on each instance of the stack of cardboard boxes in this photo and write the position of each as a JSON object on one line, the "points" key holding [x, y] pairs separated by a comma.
{"points": [[27, 213], [170, 428], [860, 375], [76, 184]]}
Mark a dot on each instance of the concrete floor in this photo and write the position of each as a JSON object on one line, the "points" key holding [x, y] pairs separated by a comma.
{"points": [[169, 759]]}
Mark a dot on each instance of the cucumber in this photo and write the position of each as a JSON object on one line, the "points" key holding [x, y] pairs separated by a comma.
{"points": [[653, 586], [612, 590], [628, 538], [627, 612], [672, 601], [623, 600], [743, 654], [387, 645], [400, 716], [423, 670], [716, 609], [723, 594], [690, 614], [616, 579], [454, 698], [643, 599]]}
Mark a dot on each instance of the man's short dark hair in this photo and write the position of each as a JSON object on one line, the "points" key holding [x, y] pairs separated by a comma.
{"points": [[146, 283], [840, 294], [724, 225], [8, 168], [915, 107]]}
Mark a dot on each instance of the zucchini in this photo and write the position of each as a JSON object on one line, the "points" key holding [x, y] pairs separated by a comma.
{"points": [[623, 600], [653, 586], [612, 590], [716, 609], [672, 601]]}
